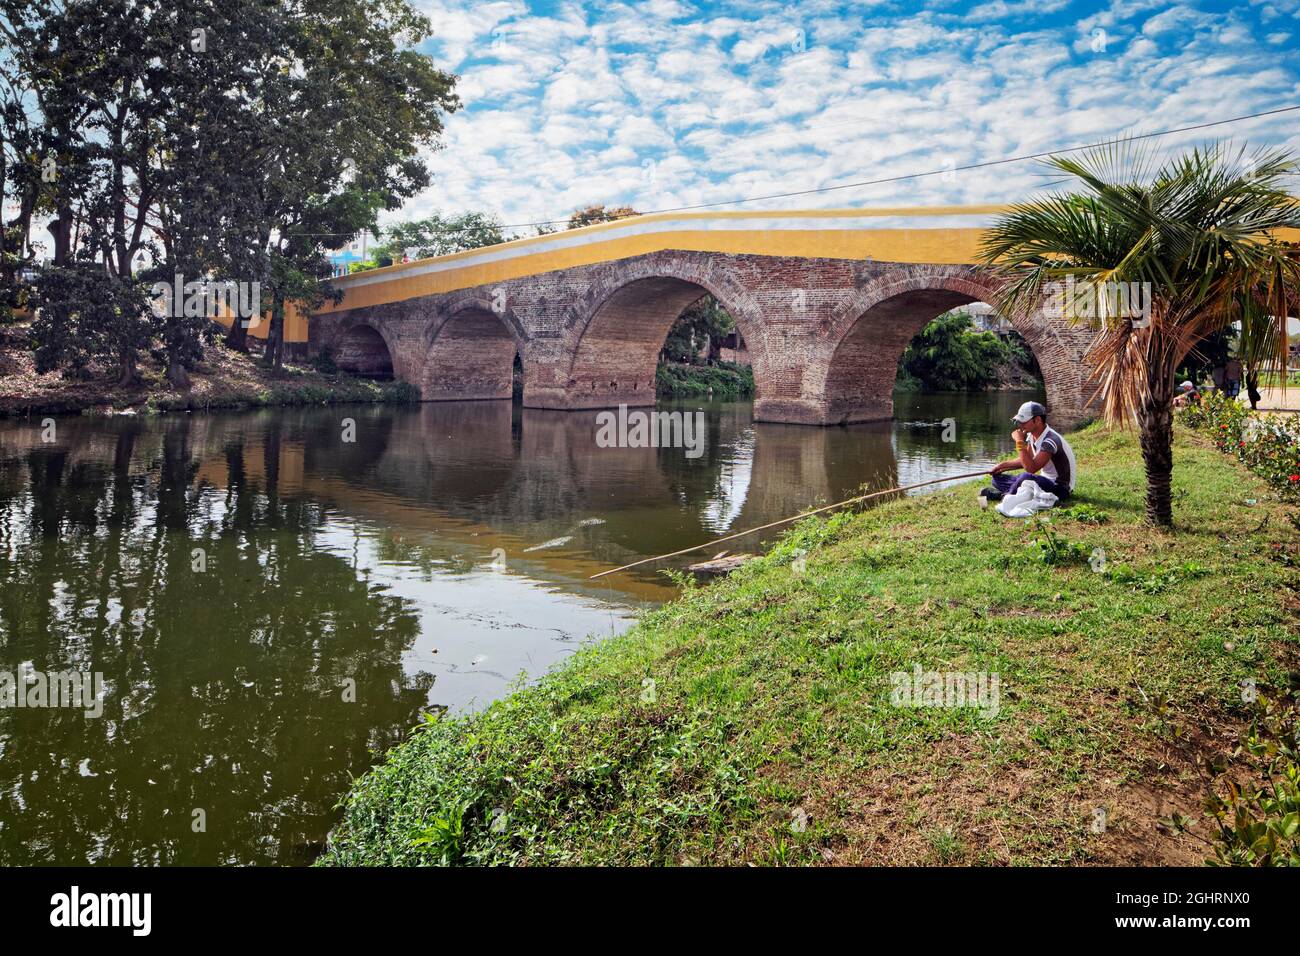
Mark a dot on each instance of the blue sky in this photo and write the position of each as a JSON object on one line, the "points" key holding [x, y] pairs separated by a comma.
{"points": [[667, 103]]}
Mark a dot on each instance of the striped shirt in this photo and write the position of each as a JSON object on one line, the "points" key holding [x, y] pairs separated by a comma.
{"points": [[1060, 467]]}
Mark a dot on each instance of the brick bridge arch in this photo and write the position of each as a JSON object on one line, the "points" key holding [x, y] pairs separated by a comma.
{"points": [[587, 311], [364, 348], [469, 349], [865, 339], [614, 333]]}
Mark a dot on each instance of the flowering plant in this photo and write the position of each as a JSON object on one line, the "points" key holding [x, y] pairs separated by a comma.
{"points": [[1268, 445]]}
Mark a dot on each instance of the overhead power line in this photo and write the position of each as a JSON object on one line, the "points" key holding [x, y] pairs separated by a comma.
{"points": [[936, 172], [910, 176]]}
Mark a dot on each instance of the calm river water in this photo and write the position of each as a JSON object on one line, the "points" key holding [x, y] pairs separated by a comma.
{"points": [[270, 605]]}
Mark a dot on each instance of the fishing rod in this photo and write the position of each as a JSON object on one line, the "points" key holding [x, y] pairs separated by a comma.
{"points": [[805, 514]]}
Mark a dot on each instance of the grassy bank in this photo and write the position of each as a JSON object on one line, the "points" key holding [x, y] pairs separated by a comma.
{"points": [[751, 722], [225, 379]]}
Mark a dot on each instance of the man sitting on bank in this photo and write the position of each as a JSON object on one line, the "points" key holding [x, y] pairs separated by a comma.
{"points": [[1045, 456]]}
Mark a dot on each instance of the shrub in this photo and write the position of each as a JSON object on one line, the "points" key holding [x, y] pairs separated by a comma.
{"points": [[1259, 821], [726, 379], [1052, 549], [1264, 444], [401, 393]]}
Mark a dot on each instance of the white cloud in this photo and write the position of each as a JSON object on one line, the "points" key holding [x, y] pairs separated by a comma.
{"points": [[660, 104]]}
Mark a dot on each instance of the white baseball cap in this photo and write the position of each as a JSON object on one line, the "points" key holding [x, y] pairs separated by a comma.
{"points": [[1028, 411]]}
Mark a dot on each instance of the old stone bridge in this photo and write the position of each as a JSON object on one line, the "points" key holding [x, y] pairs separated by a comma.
{"points": [[826, 302]]}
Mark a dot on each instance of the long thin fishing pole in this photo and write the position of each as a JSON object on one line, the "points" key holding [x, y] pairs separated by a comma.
{"points": [[805, 514]]}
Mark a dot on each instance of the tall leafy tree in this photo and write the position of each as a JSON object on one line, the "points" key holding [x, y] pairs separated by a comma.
{"points": [[20, 171], [949, 355], [219, 58], [52, 48], [440, 235], [336, 139], [215, 139], [703, 322], [124, 109], [1201, 230]]}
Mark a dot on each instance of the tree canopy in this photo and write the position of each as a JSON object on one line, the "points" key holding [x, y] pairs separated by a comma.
{"points": [[591, 215], [949, 355], [439, 235], [213, 140]]}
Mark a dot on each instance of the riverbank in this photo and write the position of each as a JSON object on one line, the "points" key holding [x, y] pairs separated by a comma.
{"points": [[751, 721], [725, 381], [224, 379]]}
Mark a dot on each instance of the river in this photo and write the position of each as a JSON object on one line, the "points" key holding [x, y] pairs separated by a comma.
{"points": [[272, 598]]}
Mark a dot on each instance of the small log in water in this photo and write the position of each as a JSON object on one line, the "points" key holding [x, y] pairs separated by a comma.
{"points": [[721, 564]]}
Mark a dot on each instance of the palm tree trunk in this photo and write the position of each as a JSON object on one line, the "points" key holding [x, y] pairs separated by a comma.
{"points": [[1156, 431]]}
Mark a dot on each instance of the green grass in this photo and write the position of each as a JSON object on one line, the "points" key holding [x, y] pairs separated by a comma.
{"points": [[1274, 379], [750, 721], [297, 388]]}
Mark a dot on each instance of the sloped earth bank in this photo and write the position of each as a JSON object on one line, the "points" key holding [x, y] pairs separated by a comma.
{"points": [[751, 721], [224, 379]]}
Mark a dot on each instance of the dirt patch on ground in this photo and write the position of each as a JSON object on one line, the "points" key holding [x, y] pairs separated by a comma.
{"points": [[960, 803]]}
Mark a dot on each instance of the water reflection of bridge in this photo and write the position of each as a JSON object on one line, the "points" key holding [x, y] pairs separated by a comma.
{"points": [[492, 474], [534, 474]]}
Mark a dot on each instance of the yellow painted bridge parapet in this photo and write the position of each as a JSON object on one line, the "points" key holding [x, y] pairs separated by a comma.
{"points": [[906, 235], [948, 236]]}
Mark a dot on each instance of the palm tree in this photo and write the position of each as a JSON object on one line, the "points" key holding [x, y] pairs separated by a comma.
{"points": [[1200, 232]]}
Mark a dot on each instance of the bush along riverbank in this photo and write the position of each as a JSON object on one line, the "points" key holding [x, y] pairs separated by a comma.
{"points": [[224, 379], [1268, 445], [722, 380], [923, 682], [951, 355]]}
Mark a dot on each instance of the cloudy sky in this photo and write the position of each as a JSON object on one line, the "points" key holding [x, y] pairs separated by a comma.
{"points": [[666, 103]]}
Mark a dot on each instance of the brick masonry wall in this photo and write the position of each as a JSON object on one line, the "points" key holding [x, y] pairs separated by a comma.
{"points": [[824, 335], [362, 351]]}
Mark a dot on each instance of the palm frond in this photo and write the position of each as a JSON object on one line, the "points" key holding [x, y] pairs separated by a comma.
{"points": [[1202, 229]]}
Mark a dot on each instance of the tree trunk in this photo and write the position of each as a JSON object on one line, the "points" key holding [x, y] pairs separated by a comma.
{"points": [[237, 337], [178, 374], [172, 489], [128, 378], [1156, 430], [275, 337], [4, 190]]}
